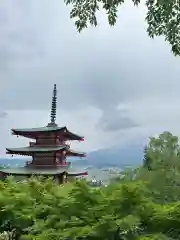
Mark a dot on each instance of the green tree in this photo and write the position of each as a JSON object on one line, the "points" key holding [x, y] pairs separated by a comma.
{"points": [[15, 201], [128, 208], [40, 210], [163, 17], [161, 168], [147, 160], [162, 152], [160, 171], [25, 207]]}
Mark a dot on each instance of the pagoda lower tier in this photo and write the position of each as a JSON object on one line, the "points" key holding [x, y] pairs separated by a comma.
{"points": [[46, 161], [60, 174]]}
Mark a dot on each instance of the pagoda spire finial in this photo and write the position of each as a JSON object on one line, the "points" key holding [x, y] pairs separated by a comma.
{"points": [[53, 105]]}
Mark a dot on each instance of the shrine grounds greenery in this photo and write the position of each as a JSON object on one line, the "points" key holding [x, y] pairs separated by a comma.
{"points": [[142, 204]]}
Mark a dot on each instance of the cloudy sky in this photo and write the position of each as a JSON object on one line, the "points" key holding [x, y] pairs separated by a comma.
{"points": [[115, 85]]}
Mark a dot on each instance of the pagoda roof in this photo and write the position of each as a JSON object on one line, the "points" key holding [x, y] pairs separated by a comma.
{"points": [[73, 153], [34, 171], [42, 171], [29, 150], [35, 149], [39, 129], [32, 132]]}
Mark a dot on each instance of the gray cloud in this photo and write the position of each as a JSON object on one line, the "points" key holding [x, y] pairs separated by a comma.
{"points": [[3, 114], [116, 120], [101, 67], [118, 123]]}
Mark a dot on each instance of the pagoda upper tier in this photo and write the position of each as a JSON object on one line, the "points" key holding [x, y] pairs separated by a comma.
{"points": [[60, 132], [51, 130]]}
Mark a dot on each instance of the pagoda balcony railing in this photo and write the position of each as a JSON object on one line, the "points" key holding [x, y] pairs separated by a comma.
{"points": [[28, 163], [67, 145], [65, 164], [33, 144]]}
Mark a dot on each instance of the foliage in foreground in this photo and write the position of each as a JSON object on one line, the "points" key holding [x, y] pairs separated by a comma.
{"points": [[33, 210], [143, 205], [163, 17]]}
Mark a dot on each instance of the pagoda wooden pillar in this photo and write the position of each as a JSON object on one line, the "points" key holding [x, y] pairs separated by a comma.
{"points": [[60, 179]]}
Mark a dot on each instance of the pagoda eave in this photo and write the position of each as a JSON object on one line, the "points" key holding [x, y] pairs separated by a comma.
{"points": [[35, 149], [26, 135], [19, 153], [69, 154], [72, 136], [33, 133], [77, 174], [28, 171]]}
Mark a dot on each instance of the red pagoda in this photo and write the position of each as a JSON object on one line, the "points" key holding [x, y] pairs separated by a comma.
{"points": [[48, 150]]}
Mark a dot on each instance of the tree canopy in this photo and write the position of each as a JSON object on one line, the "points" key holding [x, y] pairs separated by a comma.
{"points": [[142, 204], [163, 17]]}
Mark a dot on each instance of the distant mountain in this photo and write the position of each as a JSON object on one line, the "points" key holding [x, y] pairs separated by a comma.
{"points": [[113, 157]]}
